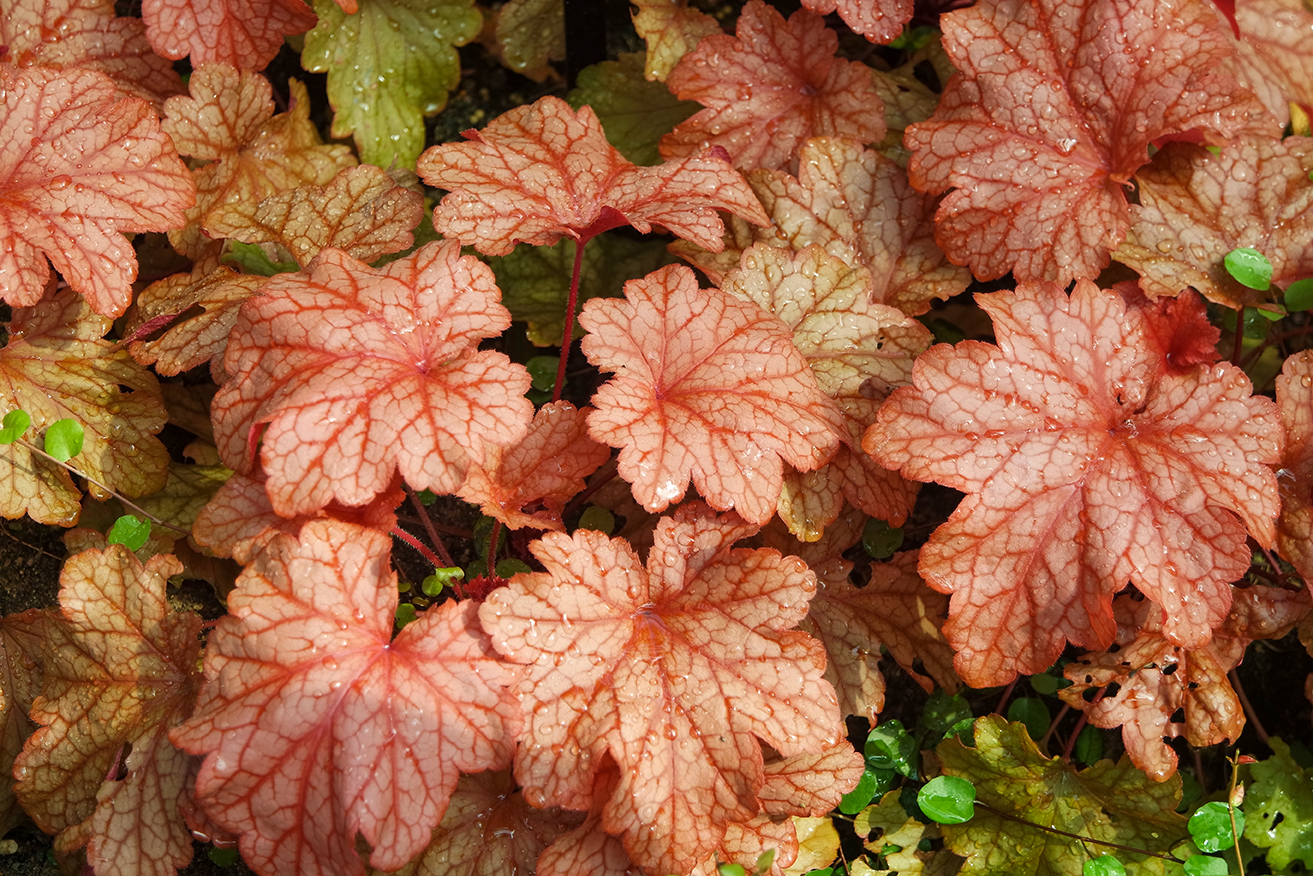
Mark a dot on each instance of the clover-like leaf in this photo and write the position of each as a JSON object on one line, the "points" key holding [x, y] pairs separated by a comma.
{"points": [[1087, 464], [1112, 803], [86, 33], [770, 87], [318, 725], [78, 167], [1039, 184], [120, 672], [675, 670], [389, 64], [56, 366], [580, 186], [708, 387], [364, 372], [243, 33]]}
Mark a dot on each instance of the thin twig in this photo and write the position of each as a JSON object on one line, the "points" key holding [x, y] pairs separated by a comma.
{"points": [[1007, 692], [1053, 726], [1249, 709]]}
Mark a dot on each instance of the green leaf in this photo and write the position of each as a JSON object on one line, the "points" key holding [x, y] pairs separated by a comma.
{"points": [[1299, 295], [252, 259], [765, 860], [64, 439], [890, 747], [1249, 267], [1032, 712], [947, 799], [597, 518], [14, 425], [1107, 802], [426, 497], [1047, 684], [635, 113], [1104, 865], [512, 566], [871, 783], [129, 531], [542, 372], [225, 857], [1210, 827], [388, 66], [535, 280], [1089, 745], [942, 714], [1279, 802], [441, 579], [731, 869], [406, 614], [1205, 865], [880, 540]]}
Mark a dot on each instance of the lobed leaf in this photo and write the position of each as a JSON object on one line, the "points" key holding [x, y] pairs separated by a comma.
{"points": [[21, 640], [769, 88], [529, 35], [1294, 389], [120, 672], [880, 21], [1045, 125], [636, 113], [317, 725], [674, 670], [707, 387], [78, 167], [580, 184], [245, 34], [671, 29], [390, 63], [364, 372], [1085, 465], [1270, 59], [1279, 800]]}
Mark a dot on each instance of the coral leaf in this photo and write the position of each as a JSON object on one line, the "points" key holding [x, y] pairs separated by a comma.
{"points": [[1271, 58], [671, 29], [244, 33], [707, 386], [21, 638], [1085, 466], [57, 367], [546, 467], [1195, 207], [769, 88], [880, 21], [580, 184], [389, 64], [317, 725], [363, 372], [1039, 182], [1295, 528], [120, 671], [85, 33], [78, 167], [675, 670]]}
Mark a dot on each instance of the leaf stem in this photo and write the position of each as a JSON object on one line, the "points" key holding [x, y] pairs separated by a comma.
{"points": [[1053, 727], [492, 546], [1238, 347], [1080, 725], [428, 528], [1007, 694], [419, 546], [1249, 709], [567, 337]]}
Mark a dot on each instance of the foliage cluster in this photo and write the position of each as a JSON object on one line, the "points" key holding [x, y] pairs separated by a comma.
{"points": [[264, 353]]}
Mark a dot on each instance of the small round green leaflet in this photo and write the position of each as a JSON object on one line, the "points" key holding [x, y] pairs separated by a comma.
{"points": [[1299, 295], [225, 857], [129, 531], [880, 540], [1032, 712], [597, 518], [406, 614], [542, 372], [1205, 865], [512, 566], [1210, 827], [1047, 684], [890, 747], [1249, 267], [872, 782], [1089, 745], [64, 439], [1104, 865], [441, 579], [731, 869], [14, 425], [947, 799]]}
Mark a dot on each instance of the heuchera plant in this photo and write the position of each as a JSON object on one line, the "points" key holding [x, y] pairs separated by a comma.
{"points": [[673, 664]]}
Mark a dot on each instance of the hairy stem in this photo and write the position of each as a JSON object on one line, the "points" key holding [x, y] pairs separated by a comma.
{"points": [[567, 336], [428, 528], [417, 545]]}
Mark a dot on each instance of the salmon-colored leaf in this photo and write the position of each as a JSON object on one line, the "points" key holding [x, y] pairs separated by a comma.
{"points": [[588, 848], [1086, 467], [362, 211], [880, 21], [1177, 327], [858, 205], [1295, 528], [1157, 680], [674, 670], [56, 366], [671, 29], [78, 167], [769, 88], [86, 33], [239, 521], [21, 638], [120, 671], [1271, 58], [228, 120], [580, 184], [317, 725], [858, 351], [1038, 183], [1195, 207], [545, 469], [707, 386], [243, 33], [364, 372]]}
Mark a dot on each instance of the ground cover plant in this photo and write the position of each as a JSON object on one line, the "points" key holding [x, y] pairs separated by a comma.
{"points": [[858, 438]]}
